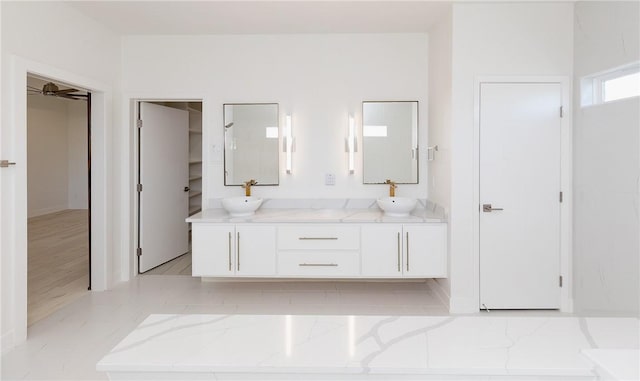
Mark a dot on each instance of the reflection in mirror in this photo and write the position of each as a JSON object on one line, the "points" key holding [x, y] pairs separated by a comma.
{"points": [[390, 142], [251, 143]]}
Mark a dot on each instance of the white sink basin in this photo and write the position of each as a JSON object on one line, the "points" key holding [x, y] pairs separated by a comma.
{"points": [[397, 206], [241, 206]]}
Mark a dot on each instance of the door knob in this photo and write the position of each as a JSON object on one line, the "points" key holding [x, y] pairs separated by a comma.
{"points": [[6, 163], [187, 189], [487, 208]]}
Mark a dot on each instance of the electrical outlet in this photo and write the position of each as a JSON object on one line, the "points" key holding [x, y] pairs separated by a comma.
{"points": [[329, 179]]}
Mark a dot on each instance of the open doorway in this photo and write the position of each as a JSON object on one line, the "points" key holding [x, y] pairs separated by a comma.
{"points": [[169, 178], [58, 196]]}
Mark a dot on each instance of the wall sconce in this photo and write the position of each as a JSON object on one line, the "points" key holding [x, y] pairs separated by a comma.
{"points": [[287, 142], [351, 144]]}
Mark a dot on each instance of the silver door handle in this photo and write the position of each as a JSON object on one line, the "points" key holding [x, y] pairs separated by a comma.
{"points": [[487, 208], [6, 163]]}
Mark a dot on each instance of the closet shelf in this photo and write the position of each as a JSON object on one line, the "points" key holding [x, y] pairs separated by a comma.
{"points": [[194, 194], [194, 178], [194, 131], [195, 161]]}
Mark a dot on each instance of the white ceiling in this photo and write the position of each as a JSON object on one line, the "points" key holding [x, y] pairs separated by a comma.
{"points": [[262, 17]]}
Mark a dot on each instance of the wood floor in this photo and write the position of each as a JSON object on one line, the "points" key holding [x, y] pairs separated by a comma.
{"points": [[178, 266], [58, 261]]}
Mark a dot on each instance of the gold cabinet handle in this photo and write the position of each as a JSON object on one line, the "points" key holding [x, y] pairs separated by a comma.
{"points": [[399, 252]]}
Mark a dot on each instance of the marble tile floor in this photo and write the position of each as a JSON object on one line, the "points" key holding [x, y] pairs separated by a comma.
{"points": [[68, 344]]}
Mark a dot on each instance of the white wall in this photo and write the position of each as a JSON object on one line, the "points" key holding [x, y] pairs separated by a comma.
{"points": [[57, 155], [319, 79], [606, 160], [47, 146], [440, 83], [77, 188], [76, 50], [532, 39]]}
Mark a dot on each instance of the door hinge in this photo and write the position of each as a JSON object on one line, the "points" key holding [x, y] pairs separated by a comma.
{"points": [[139, 187], [561, 197], [139, 123], [139, 252], [560, 281], [561, 112]]}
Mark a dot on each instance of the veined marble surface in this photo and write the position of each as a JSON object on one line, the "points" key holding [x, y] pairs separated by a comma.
{"points": [[321, 210], [616, 364], [368, 345]]}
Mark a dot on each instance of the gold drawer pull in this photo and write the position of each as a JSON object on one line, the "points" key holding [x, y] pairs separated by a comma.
{"points": [[318, 265]]}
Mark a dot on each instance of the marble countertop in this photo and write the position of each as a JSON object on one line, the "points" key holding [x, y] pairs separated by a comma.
{"points": [[366, 345], [619, 364], [329, 211]]}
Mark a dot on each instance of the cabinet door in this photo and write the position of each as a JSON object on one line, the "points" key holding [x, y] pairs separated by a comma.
{"points": [[381, 250], [255, 250], [425, 251], [212, 250]]}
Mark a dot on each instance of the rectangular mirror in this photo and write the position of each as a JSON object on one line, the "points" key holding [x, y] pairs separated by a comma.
{"points": [[251, 133], [390, 142]]}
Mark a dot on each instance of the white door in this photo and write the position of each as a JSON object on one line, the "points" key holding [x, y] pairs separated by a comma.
{"points": [[164, 175], [520, 180]]}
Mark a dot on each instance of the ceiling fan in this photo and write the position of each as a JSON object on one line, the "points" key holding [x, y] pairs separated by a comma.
{"points": [[51, 89]]}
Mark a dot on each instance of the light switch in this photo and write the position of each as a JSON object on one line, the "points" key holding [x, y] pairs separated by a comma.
{"points": [[329, 179]]}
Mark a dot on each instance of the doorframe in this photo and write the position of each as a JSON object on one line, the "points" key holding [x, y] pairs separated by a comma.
{"points": [[566, 181], [130, 261], [14, 200]]}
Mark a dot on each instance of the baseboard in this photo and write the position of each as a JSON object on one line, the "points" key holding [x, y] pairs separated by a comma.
{"points": [[566, 306], [7, 342], [43, 211], [463, 305]]}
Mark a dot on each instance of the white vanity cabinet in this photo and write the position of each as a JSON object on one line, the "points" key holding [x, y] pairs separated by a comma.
{"points": [[255, 250], [220, 250], [319, 250], [345, 245], [404, 250], [381, 250], [212, 250]]}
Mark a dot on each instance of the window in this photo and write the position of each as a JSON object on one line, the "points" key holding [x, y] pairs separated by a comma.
{"points": [[626, 86], [612, 85]]}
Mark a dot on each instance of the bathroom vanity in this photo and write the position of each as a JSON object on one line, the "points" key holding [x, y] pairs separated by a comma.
{"points": [[319, 243]]}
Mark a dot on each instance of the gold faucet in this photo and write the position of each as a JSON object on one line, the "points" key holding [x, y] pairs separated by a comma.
{"points": [[392, 187], [247, 187]]}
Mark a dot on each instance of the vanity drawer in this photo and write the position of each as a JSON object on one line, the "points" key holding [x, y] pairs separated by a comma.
{"points": [[319, 237], [319, 263]]}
